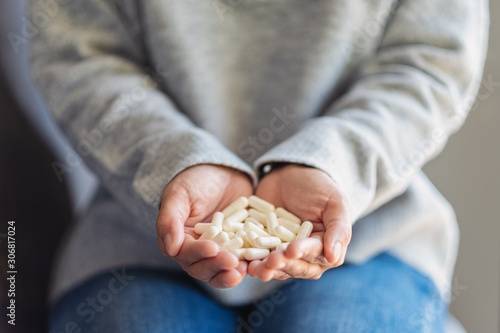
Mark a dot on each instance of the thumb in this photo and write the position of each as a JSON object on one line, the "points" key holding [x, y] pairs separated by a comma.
{"points": [[338, 224], [173, 213]]}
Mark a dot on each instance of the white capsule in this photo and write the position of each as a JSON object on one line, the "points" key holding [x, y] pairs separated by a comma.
{"points": [[239, 253], [243, 235], [249, 226], [211, 232], [282, 212], [240, 203], [272, 223], [254, 221], [217, 219], [305, 230], [229, 225], [256, 254], [259, 216], [260, 204], [200, 228], [267, 242], [292, 226], [251, 237], [231, 235], [221, 238], [238, 216], [282, 246], [233, 244], [284, 233]]}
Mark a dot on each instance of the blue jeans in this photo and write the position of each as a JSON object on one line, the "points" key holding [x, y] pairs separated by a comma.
{"points": [[381, 295]]}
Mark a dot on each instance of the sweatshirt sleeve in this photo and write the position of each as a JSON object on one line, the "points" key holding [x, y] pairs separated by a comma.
{"points": [[89, 62], [404, 102]]}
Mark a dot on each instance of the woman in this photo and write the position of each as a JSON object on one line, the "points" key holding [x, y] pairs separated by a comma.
{"points": [[326, 108]]}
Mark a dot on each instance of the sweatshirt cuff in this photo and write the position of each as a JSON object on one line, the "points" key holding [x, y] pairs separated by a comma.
{"points": [[323, 145], [174, 154]]}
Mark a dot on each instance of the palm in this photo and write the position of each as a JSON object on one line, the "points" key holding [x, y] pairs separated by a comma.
{"points": [[192, 197], [305, 192], [311, 195]]}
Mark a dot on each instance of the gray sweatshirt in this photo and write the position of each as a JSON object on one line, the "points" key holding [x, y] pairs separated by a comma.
{"points": [[366, 90]]}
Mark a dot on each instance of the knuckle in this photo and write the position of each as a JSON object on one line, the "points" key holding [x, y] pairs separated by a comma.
{"points": [[306, 273]]}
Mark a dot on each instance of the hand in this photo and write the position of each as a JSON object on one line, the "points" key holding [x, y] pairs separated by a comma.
{"points": [[191, 197], [313, 196]]}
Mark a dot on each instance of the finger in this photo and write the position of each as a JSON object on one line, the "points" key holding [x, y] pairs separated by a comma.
{"points": [[279, 266], [307, 249], [206, 269], [301, 269], [272, 266], [338, 232], [280, 275], [242, 267], [173, 213], [252, 266], [269, 268], [226, 279], [261, 270], [195, 250], [337, 238]]}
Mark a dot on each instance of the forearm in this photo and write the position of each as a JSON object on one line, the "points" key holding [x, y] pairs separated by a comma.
{"points": [[402, 105], [125, 127]]}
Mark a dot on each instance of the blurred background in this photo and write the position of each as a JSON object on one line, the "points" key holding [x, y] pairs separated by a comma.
{"points": [[466, 173]]}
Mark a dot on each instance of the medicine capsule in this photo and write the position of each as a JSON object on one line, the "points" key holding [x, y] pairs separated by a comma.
{"points": [[281, 212], [305, 230], [200, 228], [239, 253], [243, 235], [233, 244], [250, 227], [238, 216], [256, 254], [229, 225], [260, 204], [221, 238], [254, 221], [251, 237], [259, 216], [267, 242], [284, 233], [240, 203], [272, 223], [292, 226], [217, 219], [282, 246], [211, 232]]}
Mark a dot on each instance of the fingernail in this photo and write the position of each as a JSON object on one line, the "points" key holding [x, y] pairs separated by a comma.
{"points": [[337, 251], [167, 241]]}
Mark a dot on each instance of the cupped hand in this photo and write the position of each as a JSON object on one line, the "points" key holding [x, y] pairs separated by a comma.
{"points": [[191, 197], [313, 196]]}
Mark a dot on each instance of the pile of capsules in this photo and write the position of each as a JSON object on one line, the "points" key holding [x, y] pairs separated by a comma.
{"points": [[251, 227]]}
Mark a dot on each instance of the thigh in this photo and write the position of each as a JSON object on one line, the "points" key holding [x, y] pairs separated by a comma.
{"points": [[383, 295], [140, 300]]}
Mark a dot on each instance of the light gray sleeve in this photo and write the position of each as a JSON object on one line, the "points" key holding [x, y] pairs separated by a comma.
{"points": [[404, 103], [88, 61]]}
